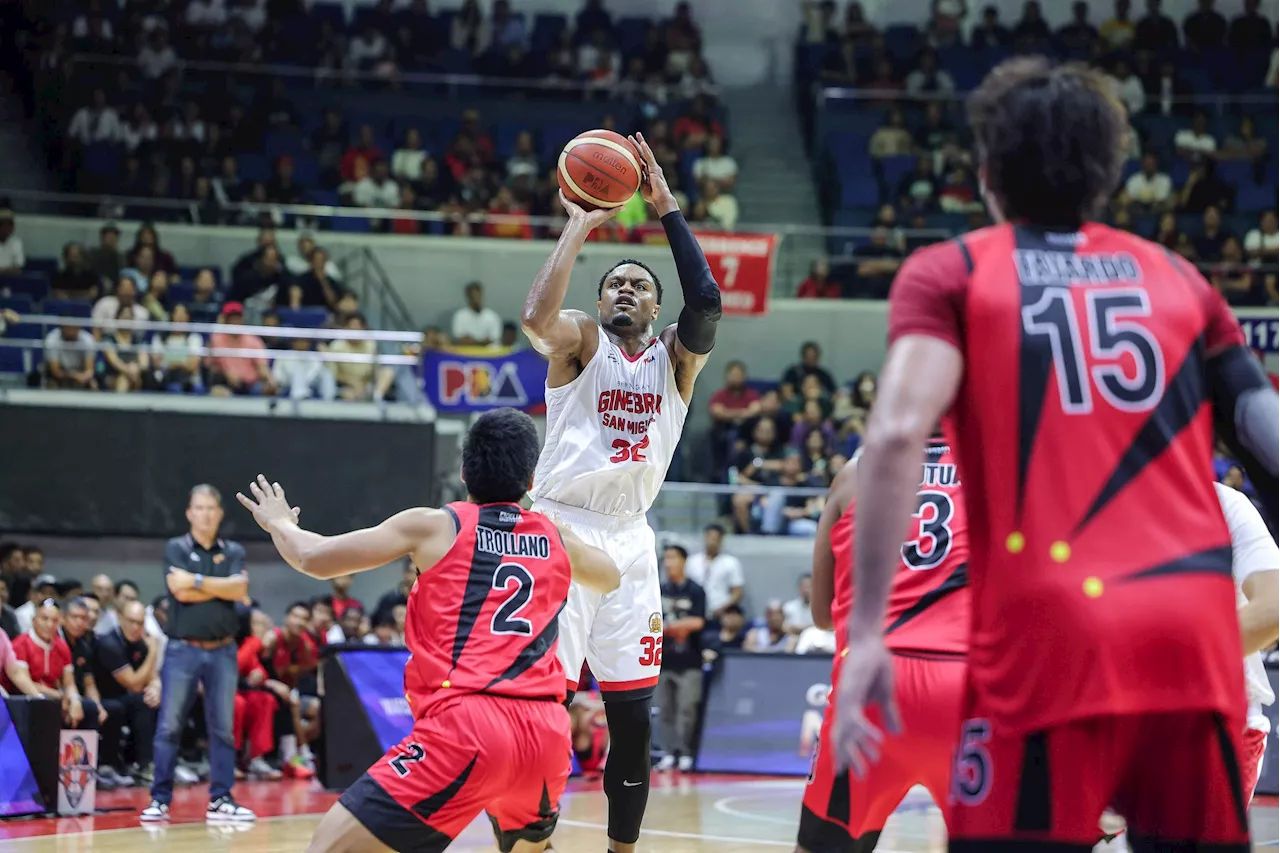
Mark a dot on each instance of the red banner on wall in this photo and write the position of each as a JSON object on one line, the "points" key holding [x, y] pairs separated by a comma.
{"points": [[743, 267]]}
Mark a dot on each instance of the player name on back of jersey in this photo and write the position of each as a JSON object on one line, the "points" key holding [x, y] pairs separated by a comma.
{"points": [[629, 403], [1042, 267], [506, 544], [939, 474]]}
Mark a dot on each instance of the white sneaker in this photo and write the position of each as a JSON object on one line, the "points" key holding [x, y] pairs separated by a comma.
{"points": [[227, 810], [156, 811], [260, 769], [184, 775], [686, 763], [666, 762]]}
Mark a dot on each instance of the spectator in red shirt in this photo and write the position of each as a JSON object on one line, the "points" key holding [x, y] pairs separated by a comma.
{"points": [[475, 133], [505, 205], [693, 129], [819, 284], [342, 596], [366, 147], [47, 659], [321, 620], [14, 677], [291, 656], [255, 703], [730, 406]]}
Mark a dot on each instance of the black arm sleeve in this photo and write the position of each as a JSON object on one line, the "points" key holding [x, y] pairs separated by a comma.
{"points": [[1247, 419], [696, 327]]}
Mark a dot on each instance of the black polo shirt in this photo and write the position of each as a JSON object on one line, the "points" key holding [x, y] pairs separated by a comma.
{"points": [[81, 656], [678, 602], [112, 654], [206, 620]]}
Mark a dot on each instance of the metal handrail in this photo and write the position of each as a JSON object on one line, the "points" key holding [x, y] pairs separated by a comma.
{"points": [[321, 74], [850, 93], [223, 328], [218, 352]]}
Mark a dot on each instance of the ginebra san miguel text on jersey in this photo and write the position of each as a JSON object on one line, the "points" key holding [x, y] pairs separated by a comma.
{"points": [[611, 432]]}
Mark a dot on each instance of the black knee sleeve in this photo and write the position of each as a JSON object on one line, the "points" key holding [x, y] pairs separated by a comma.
{"points": [[626, 773]]}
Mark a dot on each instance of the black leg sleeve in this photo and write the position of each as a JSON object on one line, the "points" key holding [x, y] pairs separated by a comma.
{"points": [[626, 773]]}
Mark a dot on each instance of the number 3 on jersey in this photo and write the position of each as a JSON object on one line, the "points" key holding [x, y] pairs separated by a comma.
{"points": [[933, 543]]}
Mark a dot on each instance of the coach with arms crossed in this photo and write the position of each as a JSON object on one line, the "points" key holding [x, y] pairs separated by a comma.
{"points": [[205, 576]]}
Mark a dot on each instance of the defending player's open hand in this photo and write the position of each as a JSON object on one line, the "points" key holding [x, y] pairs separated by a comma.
{"points": [[268, 504], [866, 679], [590, 219], [653, 183]]}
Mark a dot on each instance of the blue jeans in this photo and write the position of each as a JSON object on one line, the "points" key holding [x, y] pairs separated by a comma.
{"points": [[185, 668]]}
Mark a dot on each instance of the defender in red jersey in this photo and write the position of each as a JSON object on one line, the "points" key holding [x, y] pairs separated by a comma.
{"points": [[485, 686], [1085, 370], [926, 627]]}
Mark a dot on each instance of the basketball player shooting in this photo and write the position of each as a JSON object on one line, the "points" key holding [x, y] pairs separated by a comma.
{"points": [[617, 397], [926, 628], [486, 690], [1086, 370]]}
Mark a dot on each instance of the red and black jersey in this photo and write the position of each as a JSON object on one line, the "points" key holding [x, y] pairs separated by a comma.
{"points": [[484, 619], [928, 608], [1101, 564]]}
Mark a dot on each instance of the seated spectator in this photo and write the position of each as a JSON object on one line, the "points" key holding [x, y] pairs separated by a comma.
{"points": [[958, 194], [377, 189], [812, 417], [156, 56], [290, 657], [255, 703], [1117, 32], [1233, 277], [877, 263], [1245, 143], [721, 207], [935, 131], [1195, 141], [74, 280], [1250, 30], [42, 587], [1210, 241], [12, 256], [175, 356], [514, 221], [474, 325], [757, 464], [366, 149], [1262, 244], [715, 166], [385, 631], [69, 358], [98, 121], [282, 188], [47, 659], [856, 26], [730, 407], [817, 450], [303, 378], [1204, 189], [1205, 28], [366, 49], [126, 673], [341, 597], [406, 162], [990, 33], [788, 513], [1166, 90], [104, 259], [919, 189], [693, 128], [946, 22], [810, 356], [1079, 35], [796, 615], [1148, 189], [8, 624], [316, 288], [928, 77], [260, 284], [127, 365], [732, 632], [772, 635], [354, 378], [1127, 87], [891, 139], [1155, 32], [124, 302], [232, 374], [1166, 233], [328, 144], [205, 288], [399, 596], [818, 284], [1031, 30], [470, 32]]}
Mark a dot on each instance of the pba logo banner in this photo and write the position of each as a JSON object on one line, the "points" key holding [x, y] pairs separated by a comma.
{"points": [[77, 772], [462, 383]]}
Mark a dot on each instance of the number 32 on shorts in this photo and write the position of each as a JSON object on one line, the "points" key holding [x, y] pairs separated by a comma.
{"points": [[651, 651]]}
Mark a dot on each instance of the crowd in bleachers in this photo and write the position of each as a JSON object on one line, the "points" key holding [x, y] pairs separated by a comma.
{"points": [[276, 709], [894, 151], [321, 108]]}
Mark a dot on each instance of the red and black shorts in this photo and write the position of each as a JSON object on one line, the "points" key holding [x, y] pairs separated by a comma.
{"points": [[507, 757], [1174, 777], [842, 814]]}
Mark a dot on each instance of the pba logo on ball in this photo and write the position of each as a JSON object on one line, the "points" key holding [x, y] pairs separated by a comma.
{"points": [[77, 773], [655, 623]]}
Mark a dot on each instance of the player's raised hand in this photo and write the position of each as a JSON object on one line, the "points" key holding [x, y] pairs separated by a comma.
{"points": [[653, 183], [866, 679], [590, 219], [268, 504]]}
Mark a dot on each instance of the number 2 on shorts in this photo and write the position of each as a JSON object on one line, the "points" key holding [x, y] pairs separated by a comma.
{"points": [[651, 651], [413, 754]]}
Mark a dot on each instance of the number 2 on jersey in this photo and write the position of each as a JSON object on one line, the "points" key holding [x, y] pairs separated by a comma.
{"points": [[506, 619], [1113, 333], [628, 451]]}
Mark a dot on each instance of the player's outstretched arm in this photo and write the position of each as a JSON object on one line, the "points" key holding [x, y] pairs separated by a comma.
{"points": [[1255, 562], [554, 332], [413, 532], [824, 561], [1247, 418], [591, 566], [696, 326]]}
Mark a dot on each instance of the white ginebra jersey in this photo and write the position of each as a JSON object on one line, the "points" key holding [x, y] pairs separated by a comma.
{"points": [[611, 432], [1252, 550]]}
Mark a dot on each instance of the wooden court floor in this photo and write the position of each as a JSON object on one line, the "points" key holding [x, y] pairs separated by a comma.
{"points": [[687, 814]]}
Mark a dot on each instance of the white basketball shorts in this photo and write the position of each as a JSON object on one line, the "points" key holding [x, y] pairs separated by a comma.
{"points": [[619, 635]]}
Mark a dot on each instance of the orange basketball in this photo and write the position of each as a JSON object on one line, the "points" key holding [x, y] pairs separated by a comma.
{"points": [[599, 168]]}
